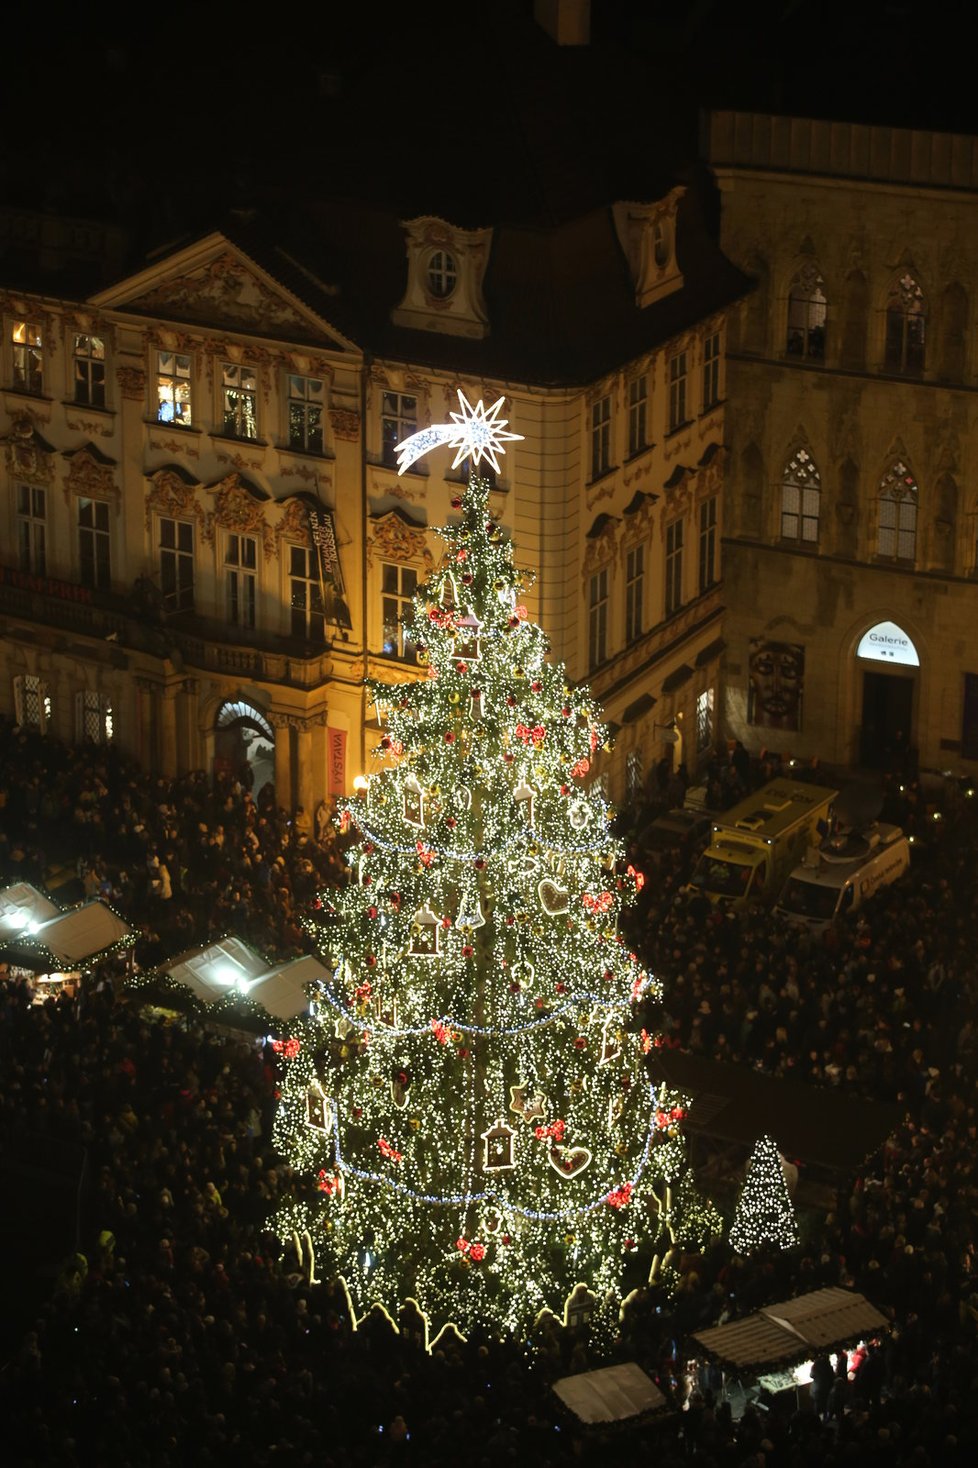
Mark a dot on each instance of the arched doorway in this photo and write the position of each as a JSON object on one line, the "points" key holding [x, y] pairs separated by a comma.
{"points": [[244, 745], [888, 662]]}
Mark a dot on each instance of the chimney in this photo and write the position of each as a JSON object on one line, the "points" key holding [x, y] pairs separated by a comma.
{"points": [[568, 22]]}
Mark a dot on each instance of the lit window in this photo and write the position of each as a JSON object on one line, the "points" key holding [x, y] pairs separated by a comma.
{"points": [[801, 496], [704, 721], [93, 718], [638, 405], [93, 544], [398, 585], [708, 543], [634, 593], [399, 419], [240, 579], [31, 529], [442, 275], [601, 437], [173, 388], [906, 324], [307, 396], [677, 391], [807, 312], [32, 702], [674, 567], [897, 529], [177, 564], [598, 618], [89, 364], [633, 775], [308, 620], [28, 356], [240, 386], [711, 371]]}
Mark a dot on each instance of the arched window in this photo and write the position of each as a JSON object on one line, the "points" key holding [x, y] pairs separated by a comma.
{"points": [[801, 490], [897, 534], [807, 311], [906, 323]]}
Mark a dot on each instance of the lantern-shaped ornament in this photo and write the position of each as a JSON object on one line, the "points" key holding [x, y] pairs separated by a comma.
{"points": [[414, 800], [467, 646], [525, 796], [579, 814], [384, 1007], [497, 1148], [477, 704], [425, 930], [449, 592], [610, 1041], [319, 1110]]}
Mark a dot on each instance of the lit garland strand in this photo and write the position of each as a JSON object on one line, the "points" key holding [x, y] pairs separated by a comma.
{"points": [[482, 991]]}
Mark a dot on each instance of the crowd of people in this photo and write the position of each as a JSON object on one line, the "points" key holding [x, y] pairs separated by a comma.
{"points": [[179, 1328]]}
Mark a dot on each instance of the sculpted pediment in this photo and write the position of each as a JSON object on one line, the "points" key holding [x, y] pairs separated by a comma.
{"points": [[218, 287]]}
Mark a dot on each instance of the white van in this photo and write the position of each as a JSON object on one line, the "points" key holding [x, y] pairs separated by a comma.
{"points": [[842, 873]]}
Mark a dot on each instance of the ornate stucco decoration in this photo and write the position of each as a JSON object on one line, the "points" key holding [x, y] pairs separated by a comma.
{"points": [[345, 423], [294, 524], [601, 544], [238, 509], [392, 538], [173, 494], [90, 476], [224, 291], [132, 383], [647, 234], [446, 267], [28, 456]]}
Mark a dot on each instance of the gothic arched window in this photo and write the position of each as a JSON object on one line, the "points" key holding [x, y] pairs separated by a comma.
{"points": [[897, 529], [801, 492], [906, 327], [807, 312]]}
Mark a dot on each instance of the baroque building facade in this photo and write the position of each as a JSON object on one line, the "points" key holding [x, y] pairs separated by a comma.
{"points": [[851, 535], [208, 548]]}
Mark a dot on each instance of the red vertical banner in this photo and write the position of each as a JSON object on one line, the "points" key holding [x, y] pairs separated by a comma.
{"points": [[336, 761]]}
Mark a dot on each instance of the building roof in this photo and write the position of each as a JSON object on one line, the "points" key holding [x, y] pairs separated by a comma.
{"points": [[810, 1124], [217, 973], [611, 1394], [36, 934], [793, 1330]]}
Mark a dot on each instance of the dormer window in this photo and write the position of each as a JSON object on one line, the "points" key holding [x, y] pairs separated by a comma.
{"points": [[647, 233], [442, 274]]}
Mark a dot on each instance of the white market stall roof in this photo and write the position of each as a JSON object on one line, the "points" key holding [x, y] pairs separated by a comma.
{"points": [[612, 1394], [793, 1330], [220, 970], [32, 926]]}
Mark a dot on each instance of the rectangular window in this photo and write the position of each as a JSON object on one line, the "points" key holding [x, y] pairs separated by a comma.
{"points": [[31, 535], [597, 635], [634, 593], [677, 391], [704, 721], [601, 437], [708, 544], [398, 585], [633, 775], [307, 397], [674, 567], [93, 544], [240, 388], [32, 703], [398, 420], [638, 415], [173, 388], [93, 718], [711, 371], [799, 512], [240, 579], [89, 365], [177, 565], [28, 356], [308, 620]]}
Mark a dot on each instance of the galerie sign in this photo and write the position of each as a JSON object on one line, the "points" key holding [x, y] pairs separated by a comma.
{"points": [[888, 643]]}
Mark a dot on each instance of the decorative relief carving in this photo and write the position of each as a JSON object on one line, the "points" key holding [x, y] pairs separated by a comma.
{"points": [[101, 426], [237, 511], [242, 461], [346, 424], [601, 550], [28, 455], [174, 498], [132, 383], [294, 524], [224, 291], [182, 444], [87, 478], [604, 489], [394, 540]]}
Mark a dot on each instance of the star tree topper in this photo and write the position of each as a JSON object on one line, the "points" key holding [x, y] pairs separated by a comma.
{"points": [[476, 433]]}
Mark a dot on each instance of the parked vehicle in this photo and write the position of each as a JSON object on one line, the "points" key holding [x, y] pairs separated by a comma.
{"points": [[842, 873], [756, 843], [679, 830]]}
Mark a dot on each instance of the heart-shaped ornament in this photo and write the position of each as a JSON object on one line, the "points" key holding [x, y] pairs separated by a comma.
{"points": [[553, 899], [569, 1161]]}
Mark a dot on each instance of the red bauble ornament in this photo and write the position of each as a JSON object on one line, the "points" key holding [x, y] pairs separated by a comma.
{"points": [[510, 702], [456, 503], [566, 713], [467, 950], [510, 920], [537, 687], [371, 912], [479, 863], [580, 1043], [449, 737], [371, 960], [451, 822], [467, 579], [565, 790]]}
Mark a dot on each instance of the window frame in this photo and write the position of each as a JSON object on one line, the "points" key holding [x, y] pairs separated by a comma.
{"points": [[807, 317], [801, 499], [673, 580], [307, 614], [597, 617], [707, 524], [240, 581], [638, 414], [182, 595], [899, 488], [634, 593], [711, 370], [299, 408], [185, 418], [93, 710], [393, 601], [88, 371], [905, 310], [601, 436], [394, 420], [31, 379], [235, 399], [99, 540], [39, 692], [678, 375], [32, 555]]}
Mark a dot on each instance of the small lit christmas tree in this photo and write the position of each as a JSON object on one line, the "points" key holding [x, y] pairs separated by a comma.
{"points": [[469, 1113], [764, 1213]]}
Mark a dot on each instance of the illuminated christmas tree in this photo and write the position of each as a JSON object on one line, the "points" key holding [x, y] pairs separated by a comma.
{"points": [[764, 1213], [469, 1111]]}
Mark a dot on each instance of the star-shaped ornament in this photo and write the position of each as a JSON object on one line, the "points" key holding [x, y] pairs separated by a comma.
{"points": [[475, 433], [526, 1102]]}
